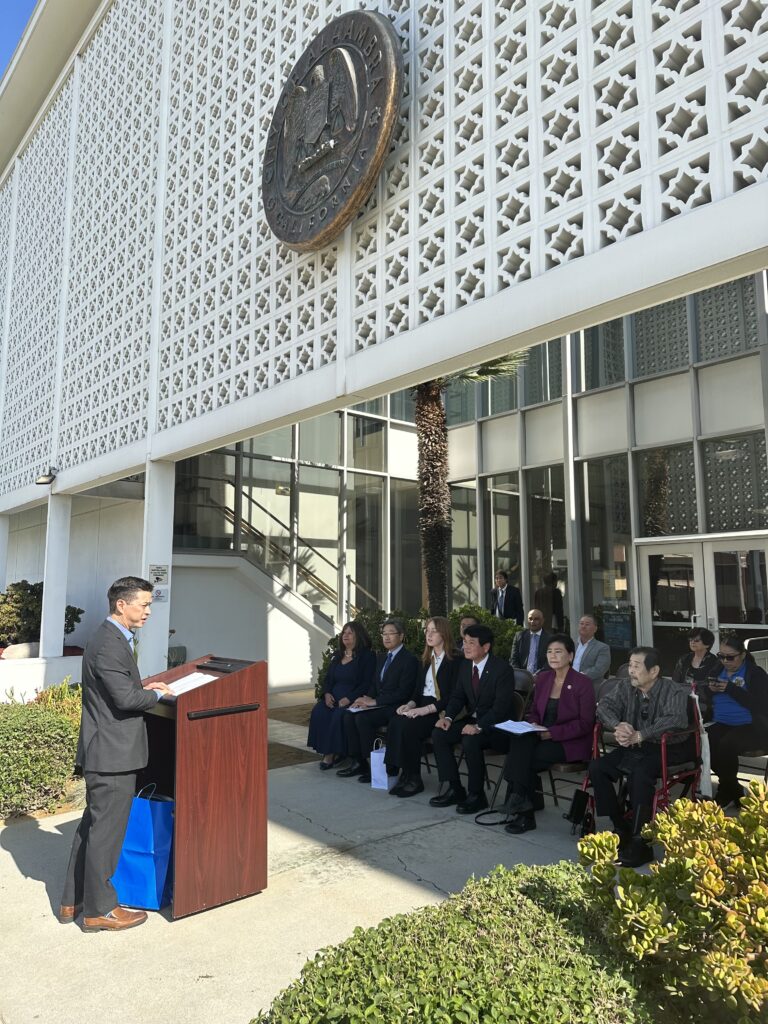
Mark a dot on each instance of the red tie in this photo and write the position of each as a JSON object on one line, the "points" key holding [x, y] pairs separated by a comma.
{"points": [[475, 680]]}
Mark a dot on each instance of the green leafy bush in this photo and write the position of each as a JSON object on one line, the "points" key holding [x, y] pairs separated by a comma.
{"points": [[700, 918], [503, 629], [66, 699], [21, 611], [518, 946], [37, 752]]}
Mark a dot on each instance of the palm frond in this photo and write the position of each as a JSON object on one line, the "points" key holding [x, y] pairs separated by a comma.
{"points": [[504, 366]]}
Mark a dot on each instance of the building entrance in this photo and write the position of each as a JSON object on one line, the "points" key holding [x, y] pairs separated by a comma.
{"points": [[719, 583]]}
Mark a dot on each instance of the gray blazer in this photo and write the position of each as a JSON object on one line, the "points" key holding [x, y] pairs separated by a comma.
{"points": [[113, 736], [596, 660]]}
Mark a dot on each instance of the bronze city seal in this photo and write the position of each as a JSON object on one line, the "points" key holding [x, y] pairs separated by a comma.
{"points": [[331, 130]]}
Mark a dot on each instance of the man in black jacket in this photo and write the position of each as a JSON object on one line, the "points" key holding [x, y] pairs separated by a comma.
{"points": [[111, 748], [506, 600], [529, 649], [484, 690], [394, 684]]}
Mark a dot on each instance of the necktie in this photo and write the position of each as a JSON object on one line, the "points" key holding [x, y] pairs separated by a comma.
{"points": [[135, 647], [500, 605], [387, 663], [434, 678], [533, 652], [475, 680]]}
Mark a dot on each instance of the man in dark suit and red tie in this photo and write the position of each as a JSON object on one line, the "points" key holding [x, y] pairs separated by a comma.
{"points": [[484, 690], [506, 600], [111, 748]]}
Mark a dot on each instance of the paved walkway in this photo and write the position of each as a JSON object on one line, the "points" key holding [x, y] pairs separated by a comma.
{"points": [[340, 855]]}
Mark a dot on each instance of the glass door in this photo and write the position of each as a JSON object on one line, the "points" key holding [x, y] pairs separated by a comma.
{"points": [[737, 588], [673, 598]]}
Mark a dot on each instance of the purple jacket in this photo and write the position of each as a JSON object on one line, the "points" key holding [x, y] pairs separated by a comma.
{"points": [[575, 712]]}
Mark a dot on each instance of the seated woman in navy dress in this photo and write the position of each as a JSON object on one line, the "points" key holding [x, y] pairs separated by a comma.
{"points": [[349, 674], [416, 719], [564, 703]]}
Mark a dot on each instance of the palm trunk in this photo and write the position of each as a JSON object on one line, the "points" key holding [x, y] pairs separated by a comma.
{"points": [[434, 493]]}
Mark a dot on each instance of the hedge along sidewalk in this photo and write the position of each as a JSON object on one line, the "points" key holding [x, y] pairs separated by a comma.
{"points": [[518, 946]]}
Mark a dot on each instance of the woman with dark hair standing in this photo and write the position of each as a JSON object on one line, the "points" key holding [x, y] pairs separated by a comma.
{"points": [[695, 667], [416, 719], [739, 715], [564, 703], [351, 670]]}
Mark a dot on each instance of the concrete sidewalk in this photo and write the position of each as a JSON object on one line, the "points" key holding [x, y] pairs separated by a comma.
{"points": [[340, 855]]}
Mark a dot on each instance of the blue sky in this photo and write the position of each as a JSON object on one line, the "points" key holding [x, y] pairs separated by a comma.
{"points": [[14, 15]]}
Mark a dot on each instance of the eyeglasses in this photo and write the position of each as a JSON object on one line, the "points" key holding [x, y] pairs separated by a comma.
{"points": [[390, 635], [727, 657]]}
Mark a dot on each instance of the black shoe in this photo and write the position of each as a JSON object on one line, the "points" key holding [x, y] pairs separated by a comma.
{"points": [[325, 766], [364, 777], [356, 768], [474, 802], [516, 803], [410, 788], [452, 795], [521, 823], [636, 853]]}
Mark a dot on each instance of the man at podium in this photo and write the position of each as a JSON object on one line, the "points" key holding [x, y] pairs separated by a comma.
{"points": [[111, 748]]}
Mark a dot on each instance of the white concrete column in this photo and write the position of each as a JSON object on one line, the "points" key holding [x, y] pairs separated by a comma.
{"points": [[5, 528], [55, 575], [157, 551]]}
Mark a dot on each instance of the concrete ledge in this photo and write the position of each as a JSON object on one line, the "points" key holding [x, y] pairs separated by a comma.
{"points": [[22, 678]]}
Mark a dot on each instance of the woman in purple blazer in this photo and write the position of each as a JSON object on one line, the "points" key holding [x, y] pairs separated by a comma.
{"points": [[564, 704]]}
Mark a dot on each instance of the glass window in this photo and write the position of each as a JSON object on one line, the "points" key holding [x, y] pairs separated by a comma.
{"points": [[407, 582], [460, 402], [205, 502], [503, 394], [365, 532], [318, 539], [320, 439], [277, 442], [667, 491], [741, 591], [602, 355], [606, 542], [501, 508], [463, 581], [726, 319], [265, 532], [736, 483], [546, 543], [374, 407], [402, 407], [660, 337], [366, 443], [543, 373]]}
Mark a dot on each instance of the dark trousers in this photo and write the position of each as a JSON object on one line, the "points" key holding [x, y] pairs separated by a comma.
{"points": [[360, 730], [444, 741], [726, 742], [405, 739], [98, 841], [527, 756], [642, 767]]}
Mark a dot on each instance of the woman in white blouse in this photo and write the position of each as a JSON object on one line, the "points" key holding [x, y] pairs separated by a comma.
{"points": [[415, 720]]}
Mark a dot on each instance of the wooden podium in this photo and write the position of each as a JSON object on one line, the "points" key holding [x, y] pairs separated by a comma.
{"points": [[208, 750]]}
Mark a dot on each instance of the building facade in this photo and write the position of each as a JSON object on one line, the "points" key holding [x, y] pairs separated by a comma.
{"points": [[583, 181]]}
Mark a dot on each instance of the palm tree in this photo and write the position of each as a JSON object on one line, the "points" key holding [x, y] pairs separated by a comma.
{"points": [[434, 493]]}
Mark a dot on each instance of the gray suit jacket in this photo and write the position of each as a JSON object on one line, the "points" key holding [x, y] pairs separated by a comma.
{"points": [[596, 660], [113, 736]]}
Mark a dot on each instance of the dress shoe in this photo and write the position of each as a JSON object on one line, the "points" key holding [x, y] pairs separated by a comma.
{"points": [[67, 914], [364, 777], [473, 803], [516, 803], [521, 823], [356, 768], [325, 766], [116, 920], [636, 853], [452, 795], [411, 788], [395, 790]]}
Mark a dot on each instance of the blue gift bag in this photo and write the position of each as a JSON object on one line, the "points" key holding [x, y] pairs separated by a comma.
{"points": [[142, 878]]}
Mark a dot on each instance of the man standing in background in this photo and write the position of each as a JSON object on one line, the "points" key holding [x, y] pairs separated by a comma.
{"points": [[506, 600]]}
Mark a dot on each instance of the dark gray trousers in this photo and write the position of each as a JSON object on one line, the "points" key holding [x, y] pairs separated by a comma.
{"points": [[98, 841]]}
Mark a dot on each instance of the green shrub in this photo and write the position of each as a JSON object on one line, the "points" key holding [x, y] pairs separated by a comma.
{"points": [[700, 918], [37, 754], [503, 629], [66, 699], [518, 946], [21, 610]]}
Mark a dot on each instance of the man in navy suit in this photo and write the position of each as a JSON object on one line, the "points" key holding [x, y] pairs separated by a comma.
{"points": [[529, 649], [506, 600], [111, 748], [484, 690]]}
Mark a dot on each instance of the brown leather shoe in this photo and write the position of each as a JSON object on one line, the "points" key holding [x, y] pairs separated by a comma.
{"points": [[116, 920], [68, 914]]}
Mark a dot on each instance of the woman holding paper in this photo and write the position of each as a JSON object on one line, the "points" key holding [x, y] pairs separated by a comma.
{"points": [[348, 676], [563, 712]]}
